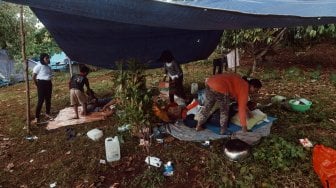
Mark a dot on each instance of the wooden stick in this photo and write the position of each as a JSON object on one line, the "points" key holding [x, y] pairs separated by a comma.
{"points": [[25, 62], [235, 51]]}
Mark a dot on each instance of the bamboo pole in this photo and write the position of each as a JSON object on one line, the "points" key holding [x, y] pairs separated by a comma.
{"points": [[235, 51], [70, 69], [25, 62]]}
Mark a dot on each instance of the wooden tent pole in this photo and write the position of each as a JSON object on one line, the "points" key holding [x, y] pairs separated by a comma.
{"points": [[25, 62], [235, 51], [70, 69]]}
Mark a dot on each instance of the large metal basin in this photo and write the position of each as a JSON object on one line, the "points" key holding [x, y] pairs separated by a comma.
{"points": [[236, 150]]}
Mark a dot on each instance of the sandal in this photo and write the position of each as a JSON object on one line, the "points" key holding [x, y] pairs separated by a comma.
{"points": [[49, 117]]}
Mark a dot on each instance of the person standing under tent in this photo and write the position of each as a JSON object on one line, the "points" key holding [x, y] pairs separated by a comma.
{"points": [[219, 88], [173, 70], [77, 94], [42, 75]]}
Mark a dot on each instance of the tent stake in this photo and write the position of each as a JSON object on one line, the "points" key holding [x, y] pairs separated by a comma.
{"points": [[25, 62]]}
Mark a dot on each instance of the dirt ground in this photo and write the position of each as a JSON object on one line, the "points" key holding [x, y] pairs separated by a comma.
{"points": [[75, 163]]}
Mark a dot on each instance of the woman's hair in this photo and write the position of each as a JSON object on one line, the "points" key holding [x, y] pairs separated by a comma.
{"points": [[42, 56], [253, 82], [166, 56]]}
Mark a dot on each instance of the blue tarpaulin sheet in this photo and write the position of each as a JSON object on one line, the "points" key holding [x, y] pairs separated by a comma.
{"points": [[101, 42], [102, 32]]}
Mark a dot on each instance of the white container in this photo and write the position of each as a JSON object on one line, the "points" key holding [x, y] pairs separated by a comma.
{"points": [[112, 149], [95, 134], [153, 161], [304, 101], [278, 99], [194, 88]]}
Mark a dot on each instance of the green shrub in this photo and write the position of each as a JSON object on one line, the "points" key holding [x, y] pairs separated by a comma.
{"points": [[293, 72], [278, 153], [135, 99], [333, 78], [315, 75], [149, 178]]}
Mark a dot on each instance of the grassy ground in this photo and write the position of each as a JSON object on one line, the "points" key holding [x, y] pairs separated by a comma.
{"points": [[278, 161]]}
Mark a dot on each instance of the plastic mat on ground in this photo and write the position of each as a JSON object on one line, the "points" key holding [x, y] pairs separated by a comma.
{"points": [[182, 132], [65, 118]]}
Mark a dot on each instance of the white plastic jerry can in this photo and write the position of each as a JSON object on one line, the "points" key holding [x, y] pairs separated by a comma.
{"points": [[112, 149]]}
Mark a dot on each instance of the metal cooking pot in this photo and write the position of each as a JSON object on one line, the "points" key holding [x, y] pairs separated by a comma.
{"points": [[236, 150]]}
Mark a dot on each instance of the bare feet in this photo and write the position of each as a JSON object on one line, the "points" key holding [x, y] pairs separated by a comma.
{"points": [[84, 114], [199, 128], [222, 130], [35, 121], [107, 113]]}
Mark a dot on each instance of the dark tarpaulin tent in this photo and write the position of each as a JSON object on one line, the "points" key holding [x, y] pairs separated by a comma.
{"points": [[101, 32]]}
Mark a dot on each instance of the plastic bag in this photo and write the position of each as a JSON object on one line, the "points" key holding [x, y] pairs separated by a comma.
{"points": [[324, 162]]}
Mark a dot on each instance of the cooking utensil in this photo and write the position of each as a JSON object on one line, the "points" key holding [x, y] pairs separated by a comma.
{"points": [[236, 150]]}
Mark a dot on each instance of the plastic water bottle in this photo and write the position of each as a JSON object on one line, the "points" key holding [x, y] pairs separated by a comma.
{"points": [[112, 149], [194, 88], [168, 169], [201, 95]]}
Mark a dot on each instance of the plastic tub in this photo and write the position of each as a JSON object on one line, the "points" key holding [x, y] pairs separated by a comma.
{"points": [[300, 105]]}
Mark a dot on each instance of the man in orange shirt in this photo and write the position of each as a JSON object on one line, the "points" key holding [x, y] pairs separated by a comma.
{"points": [[219, 88]]}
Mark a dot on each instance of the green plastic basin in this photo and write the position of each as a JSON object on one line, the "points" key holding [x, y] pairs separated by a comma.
{"points": [[298, 106]]}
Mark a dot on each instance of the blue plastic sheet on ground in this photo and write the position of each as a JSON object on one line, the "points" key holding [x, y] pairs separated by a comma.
{"points": [[182, 132], [234, 128]]}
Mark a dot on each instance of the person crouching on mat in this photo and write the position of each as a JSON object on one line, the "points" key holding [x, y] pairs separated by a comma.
{"points": [[220, 88]]}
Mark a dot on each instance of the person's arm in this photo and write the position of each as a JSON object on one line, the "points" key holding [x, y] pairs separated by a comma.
{"points": [[112, 102], [87, 84], [34, 78], [70, 82], [165, 73], [178, 67], [36, 70]]}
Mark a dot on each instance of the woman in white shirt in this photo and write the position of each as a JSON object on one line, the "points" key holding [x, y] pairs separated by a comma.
{"points": [[42, 75]]}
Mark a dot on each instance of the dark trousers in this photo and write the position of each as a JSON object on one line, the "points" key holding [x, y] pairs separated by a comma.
{"points": [[44, 90], [219, 64], [176, 88]]}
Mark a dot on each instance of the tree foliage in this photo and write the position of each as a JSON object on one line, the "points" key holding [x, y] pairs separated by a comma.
{"points": [[9, 26], [257, 42], [38, 39], [251, 40], [303, 35]]}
